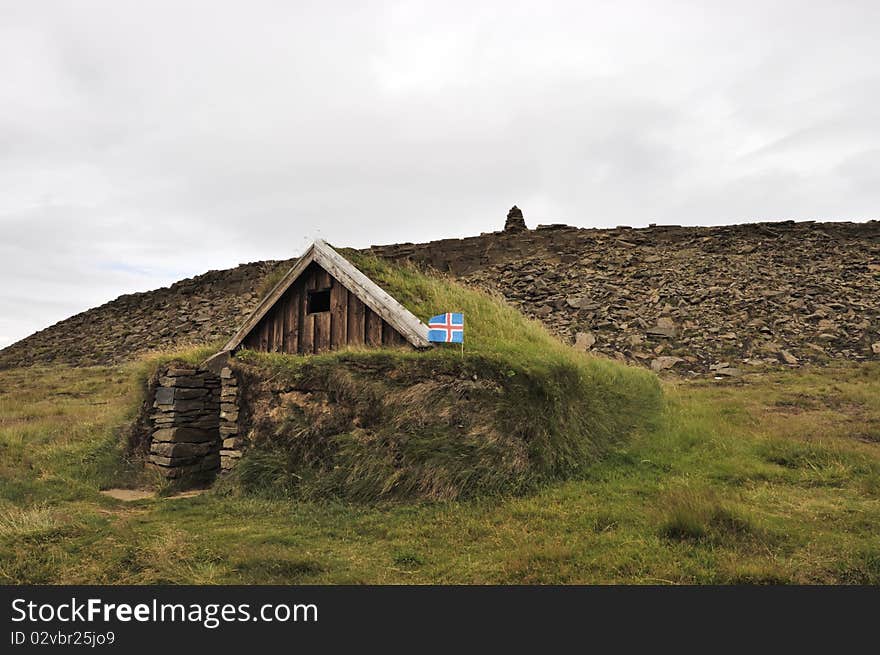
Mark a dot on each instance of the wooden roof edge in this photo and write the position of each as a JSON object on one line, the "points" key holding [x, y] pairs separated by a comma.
{"points": [[270, 299], [372, 295], [216, 362]]}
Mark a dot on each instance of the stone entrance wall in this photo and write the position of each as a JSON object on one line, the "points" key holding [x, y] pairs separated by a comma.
{"points": [[232, 441], [185, 422]]}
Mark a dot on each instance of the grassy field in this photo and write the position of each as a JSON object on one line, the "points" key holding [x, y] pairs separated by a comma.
{"points": [[773, 479]]}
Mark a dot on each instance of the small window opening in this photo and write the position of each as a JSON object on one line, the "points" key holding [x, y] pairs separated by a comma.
{"points": [[318, 301]]}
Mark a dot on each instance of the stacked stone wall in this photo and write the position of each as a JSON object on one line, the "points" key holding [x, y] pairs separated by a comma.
{"points": [[185, 440], [232, 441]]}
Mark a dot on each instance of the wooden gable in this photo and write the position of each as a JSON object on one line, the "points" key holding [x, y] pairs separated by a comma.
{"points": [[324, 303], [289, 327]]}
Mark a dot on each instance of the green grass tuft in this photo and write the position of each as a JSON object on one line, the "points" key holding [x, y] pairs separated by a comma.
{"points": [[700, 516], [36, 522]]}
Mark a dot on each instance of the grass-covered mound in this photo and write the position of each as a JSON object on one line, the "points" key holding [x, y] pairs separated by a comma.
{"points": [[517, 409]]}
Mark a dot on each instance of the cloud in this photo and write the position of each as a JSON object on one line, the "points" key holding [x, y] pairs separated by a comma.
{"points": [[144, 141]]}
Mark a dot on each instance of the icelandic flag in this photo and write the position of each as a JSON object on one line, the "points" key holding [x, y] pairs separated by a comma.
{"points": [[446, 328]]}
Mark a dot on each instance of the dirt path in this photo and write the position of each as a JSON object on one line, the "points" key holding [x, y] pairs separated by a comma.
{"points": [[130, 495]]}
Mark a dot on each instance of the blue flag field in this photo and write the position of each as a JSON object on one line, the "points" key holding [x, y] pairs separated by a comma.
{"points": [[446, 328]]}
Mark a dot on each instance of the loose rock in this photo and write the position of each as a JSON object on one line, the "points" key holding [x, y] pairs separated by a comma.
{"points": [[583, 341]]}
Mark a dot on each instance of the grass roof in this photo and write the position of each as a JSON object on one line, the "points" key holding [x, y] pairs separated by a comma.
{"points": [[413, 427]]}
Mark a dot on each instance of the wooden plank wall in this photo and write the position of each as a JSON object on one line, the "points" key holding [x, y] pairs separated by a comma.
{"points": [[287, 328]]}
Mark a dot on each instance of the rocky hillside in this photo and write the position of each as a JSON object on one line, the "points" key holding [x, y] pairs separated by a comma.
{"points": [[695, 300], [200, 310], [722, 300]]}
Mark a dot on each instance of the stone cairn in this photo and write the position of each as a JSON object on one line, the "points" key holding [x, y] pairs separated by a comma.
{"points": [[515, 221], [232, 444], [185, 440]]}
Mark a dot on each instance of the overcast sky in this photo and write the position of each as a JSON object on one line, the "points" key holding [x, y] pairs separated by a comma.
{"points": [[143, 142]]}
